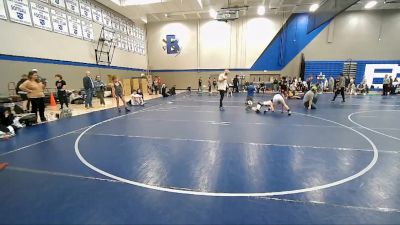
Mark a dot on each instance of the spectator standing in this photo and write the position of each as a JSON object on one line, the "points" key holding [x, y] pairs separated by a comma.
{"points": [[222, 84], [331, 83], [236, 84], [386, 82], [118, 93], [88, 85], [200, 85], [61, 92], [26, 103], [209, 85], [35, 89], [100, 87], [340, 87]]}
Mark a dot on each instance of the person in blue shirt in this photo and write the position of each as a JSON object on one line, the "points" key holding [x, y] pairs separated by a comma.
{"points": [[250, 95]]}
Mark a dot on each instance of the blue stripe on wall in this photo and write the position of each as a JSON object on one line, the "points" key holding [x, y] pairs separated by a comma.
{"points": [[289, 42], [62, 62], [383, 71], [377, 81]]}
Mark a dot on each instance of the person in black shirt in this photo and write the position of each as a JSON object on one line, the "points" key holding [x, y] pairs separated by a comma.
{"points": [[172, 91], [61, 93], [164, 91], [214, 83], [21, 93], [284, 87], [200, 85], [236, 84]]}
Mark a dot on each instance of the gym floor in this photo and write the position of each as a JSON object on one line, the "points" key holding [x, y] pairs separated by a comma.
{"points": [[180, 160]]}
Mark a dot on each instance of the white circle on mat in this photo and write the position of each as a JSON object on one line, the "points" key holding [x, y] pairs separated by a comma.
{"points": [[372, 130], [226, 194]]}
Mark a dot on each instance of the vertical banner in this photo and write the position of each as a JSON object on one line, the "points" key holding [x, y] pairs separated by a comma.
{"points": [[72, 6], [59, 20], [40, 16], [96, 13], [115, 22], [19, 11], [129, 29], [87, 29], [117, 40], [3, 14], [141, 34], [130, 44], [123, 27], [75, 28], [86, 10], [108, 36], [124, 43], [58, 3], [106, 19], [137, 48], [134, 31]]}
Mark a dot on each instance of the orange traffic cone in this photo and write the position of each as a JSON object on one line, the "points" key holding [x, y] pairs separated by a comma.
{"points": [[52, 100]]}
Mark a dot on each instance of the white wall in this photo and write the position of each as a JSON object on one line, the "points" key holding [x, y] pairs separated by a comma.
{"points": [[209, 44], [356, 36], [21, 40]]}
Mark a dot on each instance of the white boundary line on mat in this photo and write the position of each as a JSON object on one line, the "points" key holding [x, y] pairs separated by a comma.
{"points": [[39, 142], [225, 194], [68, 133], [367, 128]]}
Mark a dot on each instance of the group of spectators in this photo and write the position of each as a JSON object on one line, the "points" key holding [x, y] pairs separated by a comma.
{"points": [[390, 85]]}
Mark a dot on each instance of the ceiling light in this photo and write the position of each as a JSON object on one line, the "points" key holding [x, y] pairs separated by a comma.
{"points": [[370, 4], [200, 3], [213, 13], [166, 15], [314, 7], [261, 10]]}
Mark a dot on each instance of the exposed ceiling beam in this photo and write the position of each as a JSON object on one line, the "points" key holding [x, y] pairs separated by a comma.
{"points": [[155, 17]]}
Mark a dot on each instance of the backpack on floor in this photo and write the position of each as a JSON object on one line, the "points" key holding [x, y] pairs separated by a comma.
{"points": [[27, 119], [18, 109], [65, 113]]}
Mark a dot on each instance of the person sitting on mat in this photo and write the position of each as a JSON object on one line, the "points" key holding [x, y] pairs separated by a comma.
{"points": [[310, 99], [7, 128], [136, 99], [118, 93], [164, 91], [276, 100], [292, 92], [172, 91], [140, 92]]}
